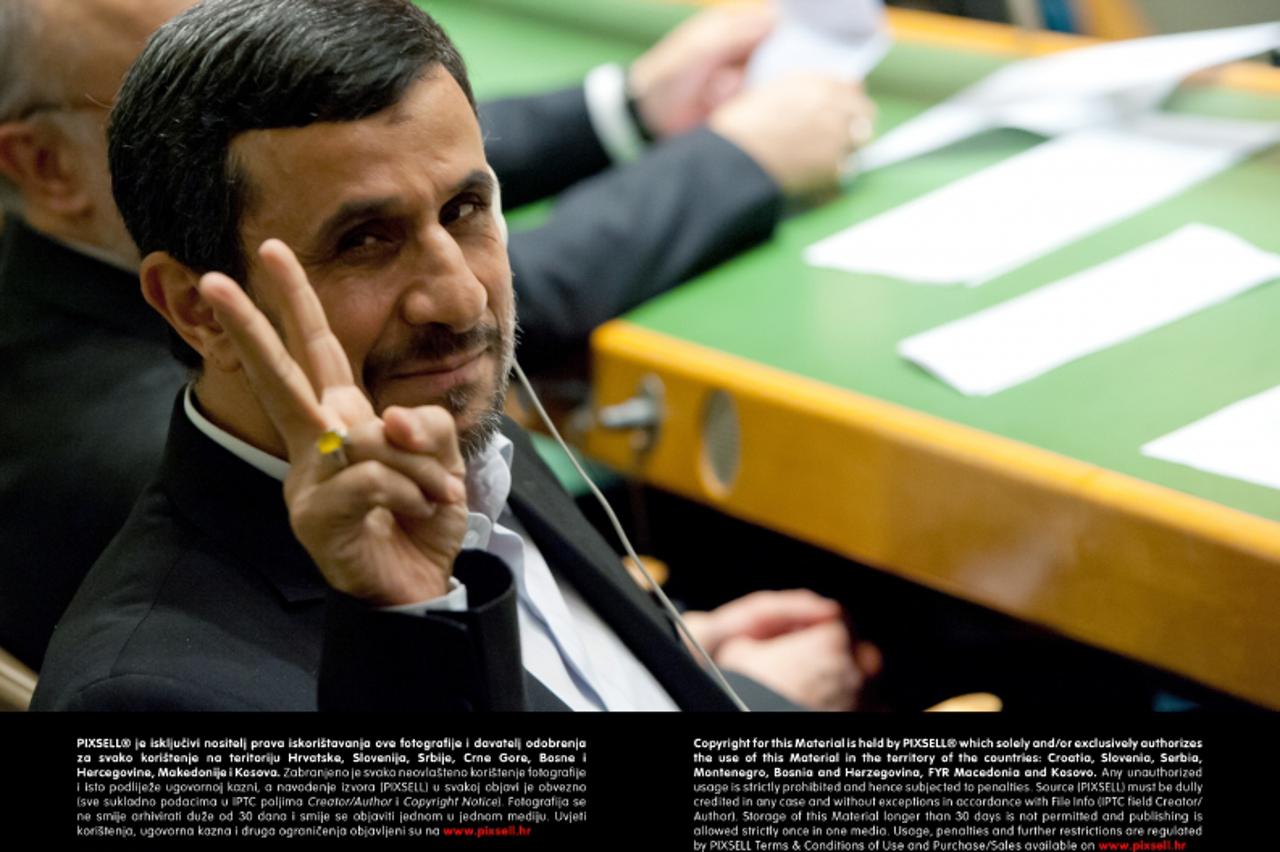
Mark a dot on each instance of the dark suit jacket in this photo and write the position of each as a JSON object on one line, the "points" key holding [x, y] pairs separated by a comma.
{"points": [[86, 381], [205, 601], [618, 236]]}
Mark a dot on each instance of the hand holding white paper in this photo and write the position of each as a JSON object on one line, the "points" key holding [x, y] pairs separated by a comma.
{"points": [[843, 38]]}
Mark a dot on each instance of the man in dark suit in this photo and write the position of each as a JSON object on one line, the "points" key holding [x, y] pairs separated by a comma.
{"points": [[87, 379], [79, 346], [342, 141]]}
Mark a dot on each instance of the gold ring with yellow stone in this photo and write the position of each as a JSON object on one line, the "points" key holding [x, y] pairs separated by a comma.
{"points": [[332, 446]]}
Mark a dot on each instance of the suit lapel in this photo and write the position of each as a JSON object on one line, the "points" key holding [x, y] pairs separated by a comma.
{"points": [[576, 552], [540, 698]]}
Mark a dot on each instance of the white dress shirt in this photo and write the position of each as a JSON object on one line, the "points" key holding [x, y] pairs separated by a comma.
{"points": [[606, 93]]}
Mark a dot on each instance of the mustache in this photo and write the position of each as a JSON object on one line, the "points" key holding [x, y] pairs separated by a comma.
{"points": [[431, 343]]}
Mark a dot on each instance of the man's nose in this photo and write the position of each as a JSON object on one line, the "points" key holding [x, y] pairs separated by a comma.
{"points": [[443, 289]]}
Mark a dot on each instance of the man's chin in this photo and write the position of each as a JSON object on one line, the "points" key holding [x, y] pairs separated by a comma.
{"points": [[474, 435]]}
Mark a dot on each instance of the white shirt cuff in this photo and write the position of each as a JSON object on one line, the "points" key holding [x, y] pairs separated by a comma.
{"points": [[606, 92], [454, 600]]}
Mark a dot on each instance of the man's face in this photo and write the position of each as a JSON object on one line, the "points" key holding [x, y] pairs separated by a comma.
{"points": [[391, 218]]}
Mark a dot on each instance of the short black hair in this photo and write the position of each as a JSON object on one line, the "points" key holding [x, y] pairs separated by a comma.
{"points": [[225, 67]]}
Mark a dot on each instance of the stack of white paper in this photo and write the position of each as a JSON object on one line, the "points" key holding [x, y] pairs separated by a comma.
{"points": [[1239, 441], [1002, 217], [1162, 281]]}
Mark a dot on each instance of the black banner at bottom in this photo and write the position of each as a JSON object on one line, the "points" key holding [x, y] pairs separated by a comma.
{"points": [[706, 783]]}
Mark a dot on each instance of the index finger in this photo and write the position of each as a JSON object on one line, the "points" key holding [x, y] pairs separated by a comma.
{"points": [[277, 380], [306, 327]]}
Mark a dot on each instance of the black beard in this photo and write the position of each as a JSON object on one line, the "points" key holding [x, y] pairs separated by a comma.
{"points": [[473, 440]]}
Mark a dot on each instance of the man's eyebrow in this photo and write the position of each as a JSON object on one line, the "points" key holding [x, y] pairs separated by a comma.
{"points": [[351, 212], [478, 180]]}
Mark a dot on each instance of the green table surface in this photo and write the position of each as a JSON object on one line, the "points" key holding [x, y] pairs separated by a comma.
{"points": [[843, 329]]}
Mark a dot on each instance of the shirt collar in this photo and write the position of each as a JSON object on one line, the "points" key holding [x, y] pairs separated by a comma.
{"points": [[489, 478], [250, 455], [98, 254]]}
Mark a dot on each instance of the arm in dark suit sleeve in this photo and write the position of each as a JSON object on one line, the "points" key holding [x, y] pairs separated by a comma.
{"points": [[440, 661], [541, 144], [626, 236]]}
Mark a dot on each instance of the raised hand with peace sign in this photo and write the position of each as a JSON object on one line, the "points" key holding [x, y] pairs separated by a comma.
{"points": [[387, 526]]}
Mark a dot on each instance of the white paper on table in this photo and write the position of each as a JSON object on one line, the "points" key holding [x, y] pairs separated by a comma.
{"points": [[1191, 269], [1071, 90], [995, 220], [843, 38], [1239, 441]]}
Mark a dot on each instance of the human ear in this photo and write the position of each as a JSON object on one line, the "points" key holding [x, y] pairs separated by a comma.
{"points": [[172, 289], [40, 160]]}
